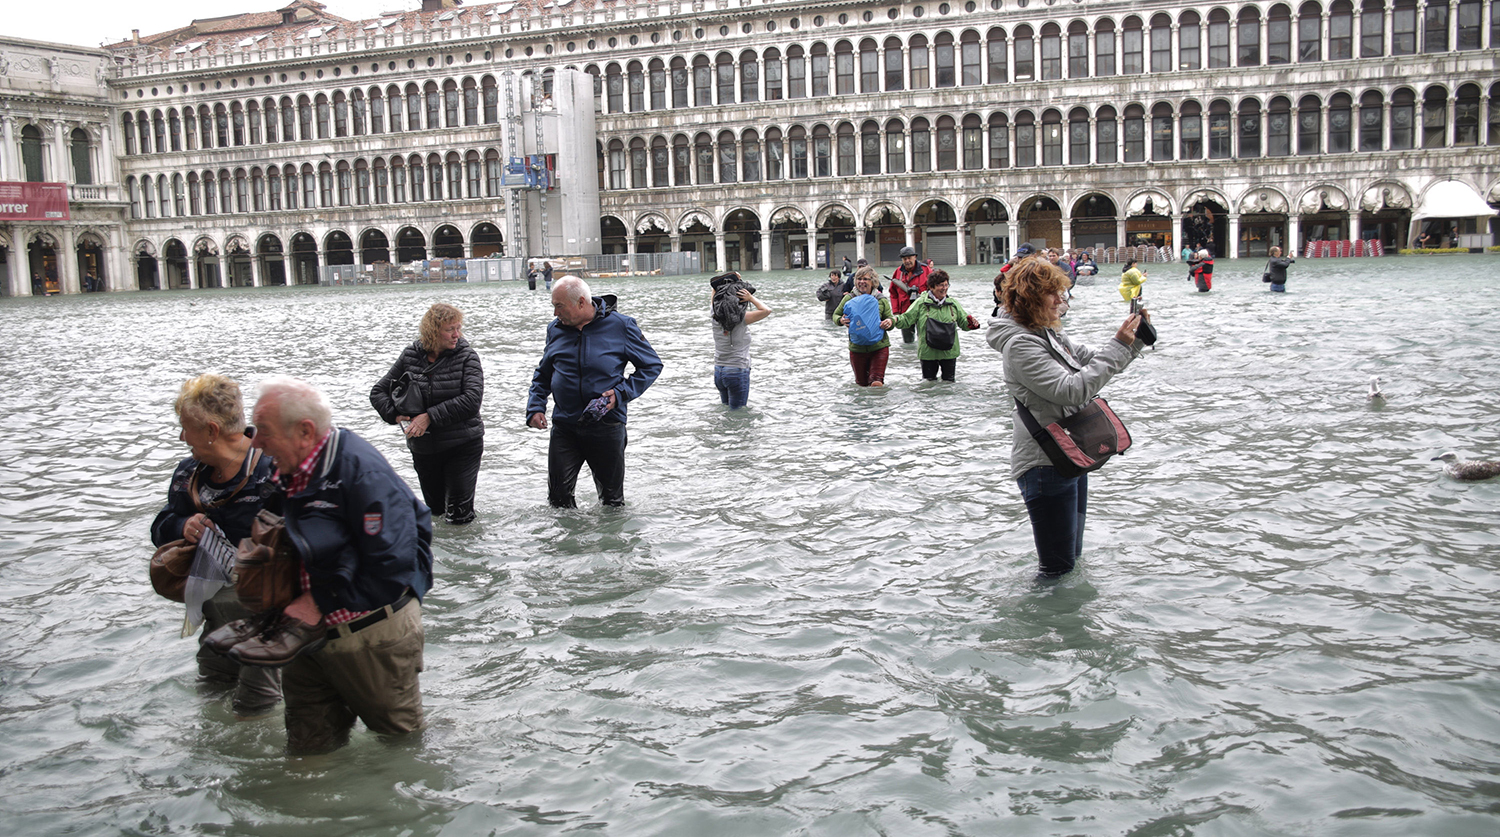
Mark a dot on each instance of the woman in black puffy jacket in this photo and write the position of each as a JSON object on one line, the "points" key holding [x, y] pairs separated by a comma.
{"points": [[446, 438]]}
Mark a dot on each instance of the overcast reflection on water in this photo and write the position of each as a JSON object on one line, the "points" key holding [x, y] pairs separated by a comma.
{"points": [[816, 616]]}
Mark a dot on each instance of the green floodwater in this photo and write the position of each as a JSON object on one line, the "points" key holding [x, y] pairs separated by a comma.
{"points": [[817, 616]]}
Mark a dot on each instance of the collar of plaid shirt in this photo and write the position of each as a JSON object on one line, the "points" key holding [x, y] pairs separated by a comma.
{"points": [[296, 483]]}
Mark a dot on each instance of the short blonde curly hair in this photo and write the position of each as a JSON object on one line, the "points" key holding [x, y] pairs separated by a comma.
{"points": [[439, 315], [212, 398]]}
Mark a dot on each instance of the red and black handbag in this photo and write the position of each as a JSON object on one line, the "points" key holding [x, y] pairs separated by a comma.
{"points": [[1081, 442]]}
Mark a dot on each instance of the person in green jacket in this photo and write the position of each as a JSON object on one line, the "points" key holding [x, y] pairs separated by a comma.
{"points": [[867, 360], [937, 318]]}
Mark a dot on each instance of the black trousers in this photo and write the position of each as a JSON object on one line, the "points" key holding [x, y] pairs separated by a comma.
{"points": [[448, 478], [602, 446], [930, 368]]}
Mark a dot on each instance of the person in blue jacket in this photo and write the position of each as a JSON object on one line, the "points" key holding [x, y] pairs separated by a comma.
{"points": [[583, 370], [352, 641]]}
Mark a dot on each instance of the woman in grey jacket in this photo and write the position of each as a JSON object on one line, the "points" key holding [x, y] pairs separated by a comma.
{"points": [[1054, 376], [446, 439]]}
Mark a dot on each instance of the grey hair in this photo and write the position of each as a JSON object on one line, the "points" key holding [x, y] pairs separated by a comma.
{"points": [[296, 400], [573, 287]]}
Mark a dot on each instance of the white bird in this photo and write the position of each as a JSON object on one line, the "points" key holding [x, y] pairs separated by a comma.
{"points": [[1467, 469], [1375, 393]]}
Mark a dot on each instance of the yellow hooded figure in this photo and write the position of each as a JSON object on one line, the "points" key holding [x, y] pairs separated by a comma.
{"points": [[1131, 281]]}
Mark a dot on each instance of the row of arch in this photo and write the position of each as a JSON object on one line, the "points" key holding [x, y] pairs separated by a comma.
{"points": [[34, 163], [1166, 131], [272, 258], [1081, 48], [359, 111], [401, 178]]}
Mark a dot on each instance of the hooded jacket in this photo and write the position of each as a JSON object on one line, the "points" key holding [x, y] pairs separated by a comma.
{"points": [[1053, 376], [578, 365], [927, 308], [453, 392], [1276, 270]]}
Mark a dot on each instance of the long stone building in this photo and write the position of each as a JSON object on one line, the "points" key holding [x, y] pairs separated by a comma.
{"points": [[257, 148]]}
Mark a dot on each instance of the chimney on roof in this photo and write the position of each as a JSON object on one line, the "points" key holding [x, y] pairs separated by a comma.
{"points": [[135, 35], [439, 5]]}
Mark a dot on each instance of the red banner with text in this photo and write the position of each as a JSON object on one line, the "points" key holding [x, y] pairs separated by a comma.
{"points": [[33, 201]]}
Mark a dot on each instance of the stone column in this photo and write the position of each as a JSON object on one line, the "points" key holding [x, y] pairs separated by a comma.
{"points": [[192, 271], [906, 132], [812, 244], [721, 252], [911, 237], [961, 232], [16, 280], [1067, 235], [859, 244], [675, 240], [1293, 246], [1354, 223], [1232, 246], [1385, 124], [1453, 25], [1015, 233], [1120, 231], [1323, 138], [62, 170], [1177, 242], [67, 261], [765, 250], [8, 151], [1385, 46], [630, 249], [1010, 59], [255, 278]]}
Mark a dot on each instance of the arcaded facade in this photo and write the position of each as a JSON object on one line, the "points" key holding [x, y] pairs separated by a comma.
{"points": [[258, 148]]}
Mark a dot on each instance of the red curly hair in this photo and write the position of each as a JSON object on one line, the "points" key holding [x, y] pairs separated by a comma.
{"points": [[1026, 292]]}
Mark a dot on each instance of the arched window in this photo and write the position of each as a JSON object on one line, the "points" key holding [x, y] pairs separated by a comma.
{"points": [[340, 114], [1340, 124], [143, 130], [1466, 115], [1078, 137], [362, 183], [1310, 33], [970, 63], [921, 145], [1161, 132], [1403, 119], [995, 52], [1025, 52], [305, 118], [82, 155], [750, 156], [1494, 109], [1469, 14], [324, 115], [268, 113], [1025, 139], [869, 147], [947, 144], [1189, 42], [1104, 48], [179, 196], [127, 131], [1106, 136], [1135, 134], [818, 75], [1340, 31], [1052, 141], [1309, 125], [895, 147], [635, 85], [843, 67], [1279, 35], [1132, 47], [1435, 27], [943, 61], [418, 174], [725, 75], [775, 155], [221, 127], [638, 163], [680, 79], [257, 190], [796, 73], [999, 126], [703, 152], [1404, 27], [1372, 29], [1161, 44], [614, 87], [1435, 117], [1371, 121], [773, 74], [822, 152], [451, 104], [1220, 130], [252, 116], [1249, 121], [846, 150], [703, 83], [656, 73], [148, 193], [489, 94], [471, 102], [1279, 127], [226, 192], [31, 154], [749, 77], [132, 197], [1051, 52], [1249, 37], [895, 62], [434, 105], [973, 142], [682, 161], [159, 130], [917, 53], [869, 66], [796, 141], [1078, 49], [1218, 38], [492, 173], [1190, 133]]}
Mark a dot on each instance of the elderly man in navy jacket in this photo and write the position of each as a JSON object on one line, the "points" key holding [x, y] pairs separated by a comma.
{"points": [[583, 369], [352, 642]]}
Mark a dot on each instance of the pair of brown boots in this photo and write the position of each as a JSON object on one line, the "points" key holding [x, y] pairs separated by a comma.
{"points": [[267, 640]]}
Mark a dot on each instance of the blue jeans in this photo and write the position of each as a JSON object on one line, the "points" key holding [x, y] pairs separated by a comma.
{"points": [[734, 385], [1057, 507], [1281, 289]]}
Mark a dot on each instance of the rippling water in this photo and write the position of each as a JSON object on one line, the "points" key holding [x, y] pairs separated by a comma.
{"points": [[816, 616]]}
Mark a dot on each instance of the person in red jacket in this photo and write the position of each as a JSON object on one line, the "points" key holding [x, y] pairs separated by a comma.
{"points": [[1203, 272], [907, 283]]}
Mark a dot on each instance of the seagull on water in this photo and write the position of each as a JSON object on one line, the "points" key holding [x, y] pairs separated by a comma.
{"points": [[1467, 469], [1375, 393]]}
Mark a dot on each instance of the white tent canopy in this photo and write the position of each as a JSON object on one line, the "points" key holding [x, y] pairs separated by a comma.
{"points": [[1452, 199]]}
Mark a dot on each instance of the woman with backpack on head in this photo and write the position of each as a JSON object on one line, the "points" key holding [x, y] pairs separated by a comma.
{"points": [[868, 317]]}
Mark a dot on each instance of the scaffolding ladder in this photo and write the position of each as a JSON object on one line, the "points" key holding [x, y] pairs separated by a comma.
{"points": [[518, 248], [541, 151]]}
